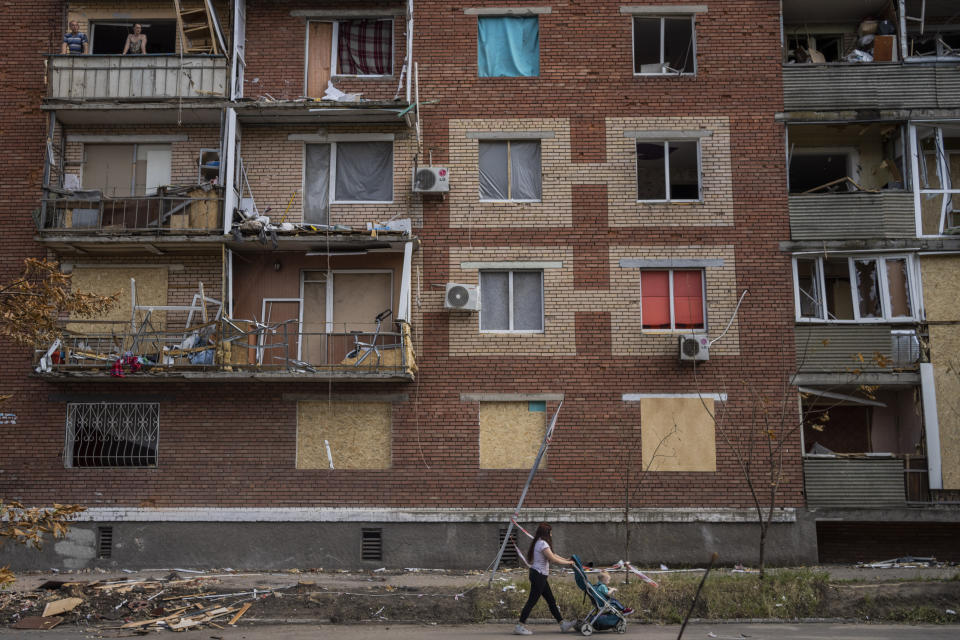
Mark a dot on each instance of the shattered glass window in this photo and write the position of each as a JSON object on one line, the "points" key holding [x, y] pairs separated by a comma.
{"points": [[868, 288], [668, 170], [836, 277], [808, 283], [898, 284], [663, 45]]}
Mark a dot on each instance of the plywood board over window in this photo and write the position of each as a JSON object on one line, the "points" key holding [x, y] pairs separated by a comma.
{"points": [[151, 290], [511, 434], [677, 434], [343, 435]]}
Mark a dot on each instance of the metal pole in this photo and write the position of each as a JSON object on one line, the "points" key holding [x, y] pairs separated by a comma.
{"points": [[516, 512]]}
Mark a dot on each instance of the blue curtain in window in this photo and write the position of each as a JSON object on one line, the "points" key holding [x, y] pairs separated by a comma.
{"points": [[508, 46]]}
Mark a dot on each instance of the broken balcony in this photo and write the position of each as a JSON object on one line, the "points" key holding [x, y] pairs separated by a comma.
{"points": [[865, 55], [864, 446], [849, 182]]}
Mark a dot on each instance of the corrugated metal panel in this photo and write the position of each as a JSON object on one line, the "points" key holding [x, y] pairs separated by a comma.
{"points": [[95, 77], [829, 216], [870, 86], [835, 348], [854, 483]]}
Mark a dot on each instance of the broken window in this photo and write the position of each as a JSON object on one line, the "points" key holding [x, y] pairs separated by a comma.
{"points": [[112, 434], [841, 158], [939, 174], [879, 288], [854, 420], [668, 170], [512, 301], [510, 170], [360, 47], [932, 28], [663, 45], [508, 46], [812, 169], [672, 300], [352, 171]]}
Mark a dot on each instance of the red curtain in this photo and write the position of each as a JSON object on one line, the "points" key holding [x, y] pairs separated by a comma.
{"points": [[655, 299], [688, 299]]}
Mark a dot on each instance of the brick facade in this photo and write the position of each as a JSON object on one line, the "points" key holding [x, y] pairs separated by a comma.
{"points": [[227, 444]]}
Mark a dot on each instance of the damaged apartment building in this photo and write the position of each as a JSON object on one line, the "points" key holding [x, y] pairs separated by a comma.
{"points": [[365, 251], [873, 152]]}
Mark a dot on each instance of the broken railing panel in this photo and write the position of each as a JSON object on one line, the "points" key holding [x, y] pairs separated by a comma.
{"points": [[155, 76], [891, 85], [171, 212]]}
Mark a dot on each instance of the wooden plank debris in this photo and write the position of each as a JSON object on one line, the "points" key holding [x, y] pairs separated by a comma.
{"points": [[36, 622], [63, 605], [240, 613]]}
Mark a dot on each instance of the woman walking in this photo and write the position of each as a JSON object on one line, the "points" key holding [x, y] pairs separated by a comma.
{"points": [[540, 555]]}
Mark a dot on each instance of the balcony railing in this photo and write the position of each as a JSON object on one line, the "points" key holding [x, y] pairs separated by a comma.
{"points": [[148, 77], [89, 212], [828, 216], [225, 349]]}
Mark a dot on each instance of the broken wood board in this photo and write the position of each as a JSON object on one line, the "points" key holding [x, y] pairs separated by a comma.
{"points": [[144, 623], [36, 622], [240, 613], [61, 606]]}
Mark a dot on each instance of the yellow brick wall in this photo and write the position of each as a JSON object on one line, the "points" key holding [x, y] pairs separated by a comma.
{"points": [[618, 173]]}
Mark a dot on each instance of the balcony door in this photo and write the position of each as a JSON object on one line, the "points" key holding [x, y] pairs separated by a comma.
{"points": [[123, 170], [319, 50]]}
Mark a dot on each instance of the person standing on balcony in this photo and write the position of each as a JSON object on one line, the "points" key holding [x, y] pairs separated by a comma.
{"points": [[74, 42], [136, 41]]}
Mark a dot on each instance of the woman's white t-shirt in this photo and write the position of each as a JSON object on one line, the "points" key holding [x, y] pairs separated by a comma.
{"points": [[540, 562]]}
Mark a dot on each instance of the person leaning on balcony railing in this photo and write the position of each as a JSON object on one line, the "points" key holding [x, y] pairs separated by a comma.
{"points": [[136, 41], [74, 42]]}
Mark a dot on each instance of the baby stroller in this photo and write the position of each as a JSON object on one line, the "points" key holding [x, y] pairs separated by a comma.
{"points": [[603, 616]]}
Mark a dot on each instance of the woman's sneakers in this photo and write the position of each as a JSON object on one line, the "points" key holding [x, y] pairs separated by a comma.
{"points": [[521, 630], [566, 625]]}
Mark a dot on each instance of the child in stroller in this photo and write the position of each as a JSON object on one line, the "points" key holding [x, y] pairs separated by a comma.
{"points": [[604, 615], [603, 587]]}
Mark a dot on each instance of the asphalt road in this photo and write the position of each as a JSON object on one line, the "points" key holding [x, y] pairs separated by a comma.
{"points": [[703, 631]]}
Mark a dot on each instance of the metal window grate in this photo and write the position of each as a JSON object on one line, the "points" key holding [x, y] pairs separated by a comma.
{"points": [[104, 542], [371, 544], [112, 434], [509, 558]]}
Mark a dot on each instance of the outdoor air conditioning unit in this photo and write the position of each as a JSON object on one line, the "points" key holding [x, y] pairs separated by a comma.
{"points": [[431, 180], [462, 297], [694, 346]]}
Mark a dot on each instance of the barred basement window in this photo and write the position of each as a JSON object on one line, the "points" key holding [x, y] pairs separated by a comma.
{"points": [[112, 434], [509, 557], [371, 544]]}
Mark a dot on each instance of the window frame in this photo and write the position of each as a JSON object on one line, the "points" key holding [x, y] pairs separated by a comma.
{"points": [[852, 157], [509, 142], [331, 196], [510, 309], [913, 296], [70, 433], [662, 18], [335, 58], [673, 320], [666, 168]]}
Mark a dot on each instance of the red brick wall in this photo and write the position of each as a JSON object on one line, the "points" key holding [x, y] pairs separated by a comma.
{"points": [[233, 444]]}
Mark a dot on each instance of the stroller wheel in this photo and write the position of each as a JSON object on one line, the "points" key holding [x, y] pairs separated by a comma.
{"points": [[586, 629], [621, 626]]}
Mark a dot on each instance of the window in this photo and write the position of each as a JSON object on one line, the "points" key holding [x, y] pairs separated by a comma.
{"points": [[938, 168], [112, 434], [813, 168], [508, 46], [672, 300], [668, 171], [663, 45], [511, 433], [347, 48], [110, 37], [122, 170], [362, 172], [510, 170], [511, 301], [855, 289]]}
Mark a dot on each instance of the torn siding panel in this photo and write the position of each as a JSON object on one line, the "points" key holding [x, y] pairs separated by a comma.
{"points": [[510, 434], [343, 435], [678, 434]]}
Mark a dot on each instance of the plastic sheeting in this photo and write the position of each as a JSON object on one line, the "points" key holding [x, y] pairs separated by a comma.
{"points": [[364, 172], [510, 170], [511, 301], [508, 46], [316, 186]]}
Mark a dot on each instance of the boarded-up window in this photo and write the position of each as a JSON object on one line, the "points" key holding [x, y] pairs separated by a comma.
{"points": [[151, 290], [511, 434], [677, 434], [343, 435]]}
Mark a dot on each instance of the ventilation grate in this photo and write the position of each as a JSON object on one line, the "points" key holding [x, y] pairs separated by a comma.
{"points": [[509, 558], [371, 544], [104, 542]]}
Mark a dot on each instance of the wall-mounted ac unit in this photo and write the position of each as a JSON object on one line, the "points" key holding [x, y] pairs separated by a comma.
{"points": [[462, 297], [431, 180], [694, 346]]}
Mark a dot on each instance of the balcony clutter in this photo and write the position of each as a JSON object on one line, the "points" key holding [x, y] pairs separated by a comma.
{"points": [[218, 344]]}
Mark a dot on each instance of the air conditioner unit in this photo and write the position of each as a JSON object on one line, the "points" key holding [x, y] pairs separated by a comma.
{"points": [[462, 297], [694, 346], [431, 180]]}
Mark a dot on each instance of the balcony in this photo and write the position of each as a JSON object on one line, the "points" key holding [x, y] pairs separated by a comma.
{"points": [[225, 350], [865, 353], [841, 216], [144, 77]]}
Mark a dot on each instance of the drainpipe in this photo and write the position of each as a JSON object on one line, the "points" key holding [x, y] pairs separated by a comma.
{"points": [[409, 45]]}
